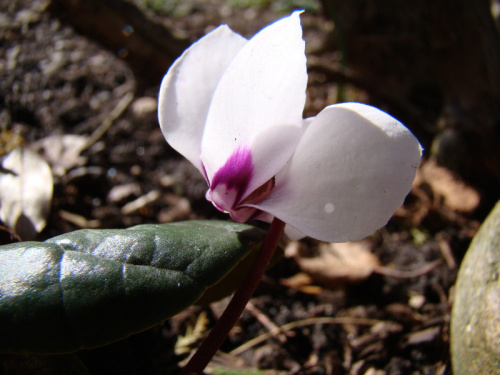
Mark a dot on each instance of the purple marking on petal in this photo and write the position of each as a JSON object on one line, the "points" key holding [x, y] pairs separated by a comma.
{"points": [[236, 173]]}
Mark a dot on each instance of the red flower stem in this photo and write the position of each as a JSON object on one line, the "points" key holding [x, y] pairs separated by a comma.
{"points": [[233, 311]]}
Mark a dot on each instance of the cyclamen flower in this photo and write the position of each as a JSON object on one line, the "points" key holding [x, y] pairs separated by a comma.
{"points": [[233, 107]]}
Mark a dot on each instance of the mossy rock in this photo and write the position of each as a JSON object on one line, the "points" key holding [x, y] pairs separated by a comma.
{"points": [[475, 318]]}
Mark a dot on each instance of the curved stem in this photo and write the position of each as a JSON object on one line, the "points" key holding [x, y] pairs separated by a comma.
{"points": [[233, 311]]}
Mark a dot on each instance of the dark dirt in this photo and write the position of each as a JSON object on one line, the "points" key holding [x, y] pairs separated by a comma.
{"points": [[53, 80]]}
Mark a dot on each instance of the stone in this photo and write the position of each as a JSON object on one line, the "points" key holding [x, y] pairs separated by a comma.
{"points": [[475, 318]]}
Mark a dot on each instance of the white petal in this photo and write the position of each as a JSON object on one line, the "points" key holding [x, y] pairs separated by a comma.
{"points": [[293, 233], [352, 169], [263, 88], [187, 89]]}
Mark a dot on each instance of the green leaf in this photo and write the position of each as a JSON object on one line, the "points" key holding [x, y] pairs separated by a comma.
{"points": [[91, 287]]}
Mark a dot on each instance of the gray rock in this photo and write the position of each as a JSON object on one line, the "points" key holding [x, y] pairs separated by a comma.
{"points": [[475, 318]]}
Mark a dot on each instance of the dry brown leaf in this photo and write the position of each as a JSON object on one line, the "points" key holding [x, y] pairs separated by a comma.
{"points": [[339, 263], [302, 282], [26, 187], [457, 195]]}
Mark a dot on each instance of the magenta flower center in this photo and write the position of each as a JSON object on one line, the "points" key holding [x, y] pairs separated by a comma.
{"points": [[229, 186], [230, 182]]}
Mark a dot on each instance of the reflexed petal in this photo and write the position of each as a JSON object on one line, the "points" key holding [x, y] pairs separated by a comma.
{"points": [[352, 169], [259, 101], [187, 89]]}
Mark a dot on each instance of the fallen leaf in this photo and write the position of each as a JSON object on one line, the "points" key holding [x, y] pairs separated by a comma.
{"points": [[337, 264], [302, 282], [456, 194], [62, 152], [25, 192]]}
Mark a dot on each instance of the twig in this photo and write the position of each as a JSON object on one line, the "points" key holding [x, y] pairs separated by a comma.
{"points": [[407, 274], [446, 252], [272, 328], [79, 220], [302, 323], [241, 297], [135, 206], [108, 121], [442, 296]]}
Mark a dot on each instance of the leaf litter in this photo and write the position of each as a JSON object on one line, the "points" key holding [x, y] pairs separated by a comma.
{"points": [[26, 187]]}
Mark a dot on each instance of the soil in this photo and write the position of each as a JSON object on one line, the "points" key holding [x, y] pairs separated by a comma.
{"points": [[394, 320]]}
